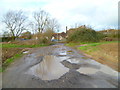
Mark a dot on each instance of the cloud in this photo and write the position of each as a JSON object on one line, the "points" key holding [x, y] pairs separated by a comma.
{"points": [[99, 14]]}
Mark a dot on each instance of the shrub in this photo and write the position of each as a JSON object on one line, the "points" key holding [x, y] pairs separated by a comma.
{"points": [[43, 40], [111, 34], [26, 35], [84, 35]]}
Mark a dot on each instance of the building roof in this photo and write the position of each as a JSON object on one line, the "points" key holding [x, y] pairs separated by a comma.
{"points": [[63, 34]]}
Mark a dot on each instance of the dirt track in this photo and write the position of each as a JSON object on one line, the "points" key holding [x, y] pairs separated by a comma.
{"points": [[58, 66]]}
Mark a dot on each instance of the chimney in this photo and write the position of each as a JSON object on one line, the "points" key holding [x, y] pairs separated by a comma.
{"points": [[66, 29]]}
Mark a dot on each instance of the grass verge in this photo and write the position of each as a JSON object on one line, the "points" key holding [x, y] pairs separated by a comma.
{"points": [[90, 43], [9, 61], [21, 46], [103, 52], [11, 52]]}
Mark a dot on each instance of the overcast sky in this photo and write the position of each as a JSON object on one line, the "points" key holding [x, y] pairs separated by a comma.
{"points": [[100, 14]]}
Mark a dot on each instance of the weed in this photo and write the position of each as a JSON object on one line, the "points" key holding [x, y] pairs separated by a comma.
{"points": [[9, 61]]}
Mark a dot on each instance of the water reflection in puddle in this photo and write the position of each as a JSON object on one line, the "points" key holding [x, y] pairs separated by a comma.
{"points": [[50, 68], [87, 70], [73, 60], [92, 69], [63, 53], [25, 52]]}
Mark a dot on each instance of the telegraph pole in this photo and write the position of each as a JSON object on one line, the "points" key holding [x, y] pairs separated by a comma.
{"points": [[57, 34], [66, 29]]}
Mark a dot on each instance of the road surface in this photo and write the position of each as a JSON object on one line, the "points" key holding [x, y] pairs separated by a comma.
{"points": [[58, 66]]}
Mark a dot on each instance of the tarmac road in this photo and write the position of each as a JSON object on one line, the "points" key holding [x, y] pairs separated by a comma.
{"points": [[58, 66]]}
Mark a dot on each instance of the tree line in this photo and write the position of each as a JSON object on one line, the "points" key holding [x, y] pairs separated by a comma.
{"points": [[17, 21]]}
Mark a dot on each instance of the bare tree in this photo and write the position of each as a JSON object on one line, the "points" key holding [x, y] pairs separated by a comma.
{"points": [[49, 34], [32, 27], [15, 22], [41, 18], [6, 34], [53, 24]]}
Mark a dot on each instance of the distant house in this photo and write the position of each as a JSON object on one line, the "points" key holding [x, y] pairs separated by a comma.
{"points": [[59, 36], [109, 31]]}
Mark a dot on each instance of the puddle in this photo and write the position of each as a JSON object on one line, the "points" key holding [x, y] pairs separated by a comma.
{"points": [[63, 49], [108, 70], [73, 61], [94, 67], [48, 69], [87, 70], [25, 52], [63, 53], [63, 58]]}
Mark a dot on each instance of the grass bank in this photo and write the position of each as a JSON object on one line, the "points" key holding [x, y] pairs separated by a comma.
{"points": [[9, 61], [11, 52], [21, 46], [103, 52]]}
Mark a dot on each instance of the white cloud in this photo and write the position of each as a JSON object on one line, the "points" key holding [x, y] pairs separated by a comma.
{"points": [[100, 14], [97, 13]]}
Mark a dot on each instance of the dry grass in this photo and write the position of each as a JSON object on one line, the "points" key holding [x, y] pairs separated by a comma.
{"points": [[9, 52], [16, 47], [26, 42], [105, 53]]}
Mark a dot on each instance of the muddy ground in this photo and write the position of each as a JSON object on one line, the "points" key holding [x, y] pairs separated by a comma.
{"points": [[58, 66]]}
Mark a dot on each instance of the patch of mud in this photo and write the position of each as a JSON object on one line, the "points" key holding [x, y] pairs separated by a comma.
{"points": [[56, 46], [48, 69], [70, 65], [85, 58], [70, 52]]}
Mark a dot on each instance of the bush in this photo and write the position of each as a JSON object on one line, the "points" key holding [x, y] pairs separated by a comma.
{"points": [[6, 39], [84, 35], [26, 35], [111, 34], [43, 40], [100, 35]]}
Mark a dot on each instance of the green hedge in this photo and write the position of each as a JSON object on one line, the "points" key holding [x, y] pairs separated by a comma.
{"points": [[85, 35]]}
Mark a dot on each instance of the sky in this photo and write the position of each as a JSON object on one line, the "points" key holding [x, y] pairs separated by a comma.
{"points": [[99, 14]]}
